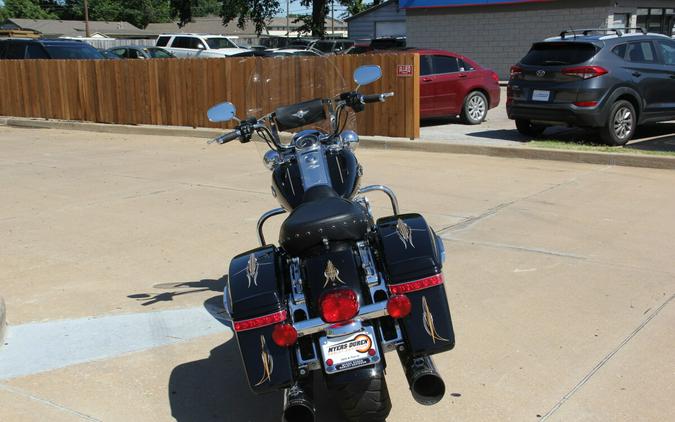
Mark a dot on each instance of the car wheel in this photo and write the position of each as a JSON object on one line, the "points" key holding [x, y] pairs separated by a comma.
{"points": [[621, 125], [528, 128], [475, 108]]}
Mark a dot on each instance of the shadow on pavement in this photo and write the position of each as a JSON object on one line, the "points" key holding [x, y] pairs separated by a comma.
{"points": [[189, 286], [657, 137], [440, 121]]}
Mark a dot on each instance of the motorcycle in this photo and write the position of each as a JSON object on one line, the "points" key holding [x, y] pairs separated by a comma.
{"points": [[341, 288]]}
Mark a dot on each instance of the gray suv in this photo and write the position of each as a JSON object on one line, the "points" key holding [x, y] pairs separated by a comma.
{"points": [[592, 78]]}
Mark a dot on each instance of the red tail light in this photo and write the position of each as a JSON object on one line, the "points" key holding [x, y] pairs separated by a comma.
{"points": [[398, 306], [495, 77], [516, 71], [412, 286], [586, 103], [263, 321], [284, 335], [338, 305], [585, 72]]}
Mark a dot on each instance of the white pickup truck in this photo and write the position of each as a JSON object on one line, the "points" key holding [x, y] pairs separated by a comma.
{"points": [[198, 45]]}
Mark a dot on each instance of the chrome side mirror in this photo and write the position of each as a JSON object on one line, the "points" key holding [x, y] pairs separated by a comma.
{"points": [[222, 112], [367, 74]]}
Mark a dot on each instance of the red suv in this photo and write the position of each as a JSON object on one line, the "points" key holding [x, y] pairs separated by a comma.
{"points": [[451, 85]]}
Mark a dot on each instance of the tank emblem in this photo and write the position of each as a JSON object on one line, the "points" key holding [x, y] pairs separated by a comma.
{"points": [[267, 362], [332, 274], [428, 321], [252, 270], [404, 233]]}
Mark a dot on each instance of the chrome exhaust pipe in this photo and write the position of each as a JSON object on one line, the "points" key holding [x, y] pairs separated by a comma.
{"points": [[425, 383], [299, 403]]}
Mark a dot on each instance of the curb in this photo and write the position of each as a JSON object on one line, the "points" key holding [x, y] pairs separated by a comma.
{"points": [[374, 142], [3, 321]]}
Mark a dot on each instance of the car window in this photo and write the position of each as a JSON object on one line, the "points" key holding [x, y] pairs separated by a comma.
{"points": [[158, 54], [559, 53], [444, 64], [464, 66], [81, 51], [641, 52], [16, 51], [425, 65], [220, 43], [668, 52], [323, 46], [119, 52], [132, 53], [162, 41], [34, 51], [182, 42], [620, 50]]}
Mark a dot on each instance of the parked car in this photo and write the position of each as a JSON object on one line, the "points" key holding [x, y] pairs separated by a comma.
{"points": [[108, 55], [198, 45], [331, 46], [588, 78], [140, 52], [18, 48], [452, 84], [286, 52]]}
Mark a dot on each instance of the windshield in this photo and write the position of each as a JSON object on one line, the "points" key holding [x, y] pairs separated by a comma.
{"points": [[220, 42], [558, 53], [277, 82], [73, 52], [158, 53]]}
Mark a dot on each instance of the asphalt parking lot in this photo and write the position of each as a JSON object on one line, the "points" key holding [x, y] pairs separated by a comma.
{"points": [[114, 250]]}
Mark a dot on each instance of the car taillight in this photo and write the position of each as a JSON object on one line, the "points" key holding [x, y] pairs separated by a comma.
{"points": [[413, 286], [585, 72], [284, 335], [263, 321], [516, 71], [495, 77], [398, 306], [586, 103], [338, 305]]}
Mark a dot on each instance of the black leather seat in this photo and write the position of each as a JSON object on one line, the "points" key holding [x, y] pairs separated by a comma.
{"points": [[323, 214]]}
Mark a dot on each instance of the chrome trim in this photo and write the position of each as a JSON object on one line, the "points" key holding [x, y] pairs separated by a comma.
{"points": [[263, 218], [338, 330], [391, 345], [310, 364], [297, 293], [389, 192], [368, 264], [317, 325]]}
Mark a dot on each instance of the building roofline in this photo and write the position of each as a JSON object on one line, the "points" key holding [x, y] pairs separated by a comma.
{"points": [[370, 9]]}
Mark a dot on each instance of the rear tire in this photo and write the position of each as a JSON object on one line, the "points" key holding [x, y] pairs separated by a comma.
{"points": [[475, 108], [364, 400], [621, 125], [527, 128]]}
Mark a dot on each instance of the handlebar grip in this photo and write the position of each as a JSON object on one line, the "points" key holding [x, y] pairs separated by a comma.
{"points": [[374, 98], [227, 137]]}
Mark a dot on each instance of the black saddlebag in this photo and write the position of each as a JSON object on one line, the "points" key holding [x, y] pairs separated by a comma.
{"points": [[411, 257], [256, 299]]}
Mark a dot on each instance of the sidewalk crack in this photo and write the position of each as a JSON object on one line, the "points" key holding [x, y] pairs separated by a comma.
{"points": [[604, 360], [46, 402]]}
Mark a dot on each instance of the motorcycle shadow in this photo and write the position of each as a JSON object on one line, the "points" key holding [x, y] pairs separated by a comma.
{"points": [[216, 388]]}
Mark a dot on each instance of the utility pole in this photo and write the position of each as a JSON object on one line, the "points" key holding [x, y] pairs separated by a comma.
{"points": [[332, 17], [288, 19], [86, 18]]}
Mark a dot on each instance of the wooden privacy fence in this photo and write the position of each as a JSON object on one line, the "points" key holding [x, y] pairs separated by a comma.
{"points": [[178, 92]]}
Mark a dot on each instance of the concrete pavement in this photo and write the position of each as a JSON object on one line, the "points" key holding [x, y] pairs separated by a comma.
{"points": [[560, 277]]}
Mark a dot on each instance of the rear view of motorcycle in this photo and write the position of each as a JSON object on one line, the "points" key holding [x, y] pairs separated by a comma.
{"points": [[341, 288]]}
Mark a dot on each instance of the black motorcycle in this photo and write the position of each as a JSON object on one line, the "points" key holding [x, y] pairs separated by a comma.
{"points": [[341, 288]]}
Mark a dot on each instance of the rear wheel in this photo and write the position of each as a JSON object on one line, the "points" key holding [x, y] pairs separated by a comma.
{"points": [[364, 400], [475, 108], [621, 125], [528, 128]]}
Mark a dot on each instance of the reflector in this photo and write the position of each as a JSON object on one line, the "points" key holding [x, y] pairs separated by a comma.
{"points": [[284, 335], [399, 306], [413, 286], [338, 305]]}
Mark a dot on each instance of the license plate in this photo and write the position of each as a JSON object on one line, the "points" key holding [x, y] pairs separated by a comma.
{"points": [[538, 95], [350, 351]]}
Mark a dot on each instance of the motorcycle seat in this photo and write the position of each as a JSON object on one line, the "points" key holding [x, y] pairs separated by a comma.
{"points": [[322, 214]]}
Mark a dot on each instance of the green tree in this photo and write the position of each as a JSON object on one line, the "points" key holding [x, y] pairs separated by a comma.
{"points": [[26, 9], [207, 8], [137, 12], [3, 13]]}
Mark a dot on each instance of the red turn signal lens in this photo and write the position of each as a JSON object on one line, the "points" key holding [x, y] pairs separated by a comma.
{"points": [[263, 321], [516, 71], [585, 72], [338, 305], [284, 335], [398, 306], [413, 286]]}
